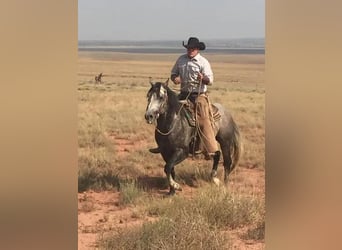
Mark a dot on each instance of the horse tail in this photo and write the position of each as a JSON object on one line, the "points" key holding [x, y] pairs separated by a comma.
{"points": [[236, 146]]}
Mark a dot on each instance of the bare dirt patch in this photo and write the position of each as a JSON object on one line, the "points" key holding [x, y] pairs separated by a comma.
{"points": [[124, 146], [100, 212], [106, 215]]}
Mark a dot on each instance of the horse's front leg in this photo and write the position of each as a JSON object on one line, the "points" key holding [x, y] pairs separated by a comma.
{"points": [[169, 170]]}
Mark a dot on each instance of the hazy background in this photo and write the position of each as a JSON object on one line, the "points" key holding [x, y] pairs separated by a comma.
{"points": [[170, 20]]}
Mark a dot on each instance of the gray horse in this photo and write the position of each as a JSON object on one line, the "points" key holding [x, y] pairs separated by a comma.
{"points": [[174, 134]]}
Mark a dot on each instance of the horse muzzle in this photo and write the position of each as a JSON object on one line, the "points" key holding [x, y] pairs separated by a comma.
{"points": [[150, 117]]}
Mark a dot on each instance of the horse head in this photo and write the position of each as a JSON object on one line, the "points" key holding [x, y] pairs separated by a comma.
{"points": [[156, 101]]}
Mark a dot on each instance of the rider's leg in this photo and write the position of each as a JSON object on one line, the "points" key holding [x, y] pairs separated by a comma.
{"points": [[206, 130]]}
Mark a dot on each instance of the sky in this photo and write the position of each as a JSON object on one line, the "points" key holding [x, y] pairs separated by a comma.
{"points": [[170, 20]]}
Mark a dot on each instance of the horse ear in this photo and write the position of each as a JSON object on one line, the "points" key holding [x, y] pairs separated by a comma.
{"points": [[151, 82]]}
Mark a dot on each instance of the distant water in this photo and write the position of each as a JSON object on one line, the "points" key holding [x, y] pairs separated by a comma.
{"points": [[159, 50]]}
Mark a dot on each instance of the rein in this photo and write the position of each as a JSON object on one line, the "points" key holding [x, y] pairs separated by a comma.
{"points": [[160, 132]]}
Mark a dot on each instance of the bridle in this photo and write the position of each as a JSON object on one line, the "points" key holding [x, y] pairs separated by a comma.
{"points": [[162, 110]]}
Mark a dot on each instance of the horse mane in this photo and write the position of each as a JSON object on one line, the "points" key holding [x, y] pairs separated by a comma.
{"points": [[173, 99]]}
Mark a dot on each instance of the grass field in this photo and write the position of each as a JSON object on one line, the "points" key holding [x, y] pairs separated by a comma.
{"points": [[121, 184]]}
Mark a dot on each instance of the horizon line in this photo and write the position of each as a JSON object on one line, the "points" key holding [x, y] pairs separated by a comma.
{"points": [[146, 40]]}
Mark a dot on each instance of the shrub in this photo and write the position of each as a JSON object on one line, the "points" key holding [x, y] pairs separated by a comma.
{"points": [[129, 193], [183, 231]]}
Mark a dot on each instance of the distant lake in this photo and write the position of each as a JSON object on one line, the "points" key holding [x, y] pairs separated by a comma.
{"points": [[169, 50]]}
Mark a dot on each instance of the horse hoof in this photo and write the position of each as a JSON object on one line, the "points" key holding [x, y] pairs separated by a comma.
{"points": [[171, 193], [175, 186], [216, 181]]}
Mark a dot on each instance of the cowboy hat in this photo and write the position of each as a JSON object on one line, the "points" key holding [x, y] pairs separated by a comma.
{"points": [[193, 42]]}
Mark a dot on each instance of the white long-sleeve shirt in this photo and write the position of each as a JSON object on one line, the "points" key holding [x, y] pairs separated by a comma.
{"points": [[188, 68]]}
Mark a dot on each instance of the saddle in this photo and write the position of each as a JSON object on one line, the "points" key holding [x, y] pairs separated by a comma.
{"points": [[190, 112]]}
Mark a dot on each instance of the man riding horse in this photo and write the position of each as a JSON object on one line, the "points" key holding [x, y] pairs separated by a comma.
{"points": [[193, 72]]}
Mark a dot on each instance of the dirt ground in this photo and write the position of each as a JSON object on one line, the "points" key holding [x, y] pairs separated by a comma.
{"points": [[100, 212]]}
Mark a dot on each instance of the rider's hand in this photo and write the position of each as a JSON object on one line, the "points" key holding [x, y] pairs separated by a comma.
{"points": [[177, 80], [203, 79]]}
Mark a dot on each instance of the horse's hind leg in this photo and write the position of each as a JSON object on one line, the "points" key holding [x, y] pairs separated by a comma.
{"points": [[227, 161], [216, 159]]}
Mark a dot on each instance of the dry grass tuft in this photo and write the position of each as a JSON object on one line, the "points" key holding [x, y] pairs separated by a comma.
{"points": [[193, 224], [217, 206], [130, 193], [181, 232]]}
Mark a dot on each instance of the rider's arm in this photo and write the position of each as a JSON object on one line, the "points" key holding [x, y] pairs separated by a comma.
{"points": [[207, 73], [175, 73]]}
